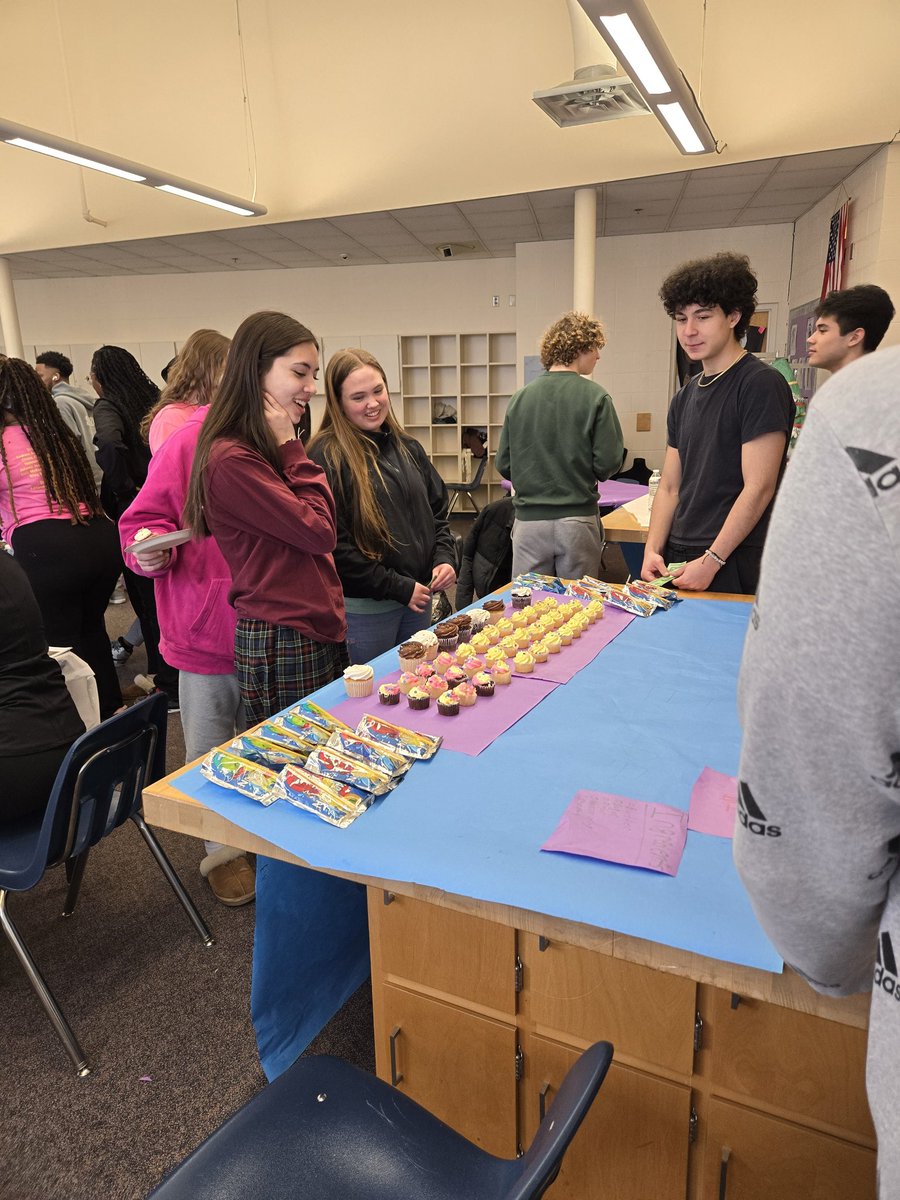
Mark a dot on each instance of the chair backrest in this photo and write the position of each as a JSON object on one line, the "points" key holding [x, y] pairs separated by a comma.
{"points": [[541, 1161], [476, 478], [97, 788]]}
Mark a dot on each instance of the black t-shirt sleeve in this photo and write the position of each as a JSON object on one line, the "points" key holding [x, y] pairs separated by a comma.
{"points": [[765, 406]]}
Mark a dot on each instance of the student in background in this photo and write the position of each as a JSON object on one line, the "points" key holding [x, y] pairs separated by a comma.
{"points": [[272, 513], [191, 380], [560, 437], [849, 324], [76, 406], [728, 430], [487, 553], [818, 832], [394, 546], [52, 517], [125, 396]]}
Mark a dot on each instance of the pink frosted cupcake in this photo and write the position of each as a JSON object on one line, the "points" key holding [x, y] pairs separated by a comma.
{"points": [[455, 675], [425, 671], [473, 665], [448, 705], [501, 674], [389, 693], [444, 660], [435, 686], [406, 681], [465, 694]]}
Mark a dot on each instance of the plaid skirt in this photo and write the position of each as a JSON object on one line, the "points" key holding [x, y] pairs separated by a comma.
{"points": [[277, 666]]}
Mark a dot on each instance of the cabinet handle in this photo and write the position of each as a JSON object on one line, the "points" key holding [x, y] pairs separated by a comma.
{"points": [[723, 1171], [388, 897], [542, 1099], [395, 1076], [735, 1000]]}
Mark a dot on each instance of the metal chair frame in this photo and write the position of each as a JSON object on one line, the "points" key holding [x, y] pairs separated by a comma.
{"points": [[84, 830], [466, 489]]}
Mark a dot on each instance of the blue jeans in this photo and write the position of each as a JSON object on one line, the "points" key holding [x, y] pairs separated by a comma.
{"points": [[370, 634]]}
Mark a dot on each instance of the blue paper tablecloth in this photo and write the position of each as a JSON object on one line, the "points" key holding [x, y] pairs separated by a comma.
{"points": [[653, 709]]}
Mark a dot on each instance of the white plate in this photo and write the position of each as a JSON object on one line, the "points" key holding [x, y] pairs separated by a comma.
{"points": [[161, 541]]}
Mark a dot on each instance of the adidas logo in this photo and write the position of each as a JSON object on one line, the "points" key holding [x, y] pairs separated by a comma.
{"points": [[880, 473], [886, 967], [751, 816]]}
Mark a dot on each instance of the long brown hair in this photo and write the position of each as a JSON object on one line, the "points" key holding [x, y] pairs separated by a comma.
{"points": [[238, 410], [343, 445], [68, 480], [195, 374]]}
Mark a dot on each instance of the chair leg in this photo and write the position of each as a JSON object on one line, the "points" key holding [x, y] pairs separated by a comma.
{"points": [[453, 499], [74, 874], [174, 882], [51, 1008]]}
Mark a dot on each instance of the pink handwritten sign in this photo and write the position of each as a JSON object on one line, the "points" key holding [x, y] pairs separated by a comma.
{"points": [[713, 803], [621, 830]]}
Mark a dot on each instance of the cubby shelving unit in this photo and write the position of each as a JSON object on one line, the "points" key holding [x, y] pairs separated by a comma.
{"points": [[472, 373]]}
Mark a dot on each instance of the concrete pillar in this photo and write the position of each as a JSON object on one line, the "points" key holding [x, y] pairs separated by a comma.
{"points": [[9, 313], [585, 235]]}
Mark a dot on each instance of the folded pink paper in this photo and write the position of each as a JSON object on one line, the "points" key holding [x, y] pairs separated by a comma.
{"points": [[713, 803], [621, 830]]}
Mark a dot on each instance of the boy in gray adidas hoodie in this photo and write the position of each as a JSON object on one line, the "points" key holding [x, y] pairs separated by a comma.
{"points": [[818, 834]]}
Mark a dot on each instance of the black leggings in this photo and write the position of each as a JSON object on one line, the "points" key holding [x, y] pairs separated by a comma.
{"points": [[73, 570], [142, 594], [26, 781]]}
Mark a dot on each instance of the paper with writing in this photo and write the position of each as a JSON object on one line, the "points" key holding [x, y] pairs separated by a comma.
{"points": [[619, 829], [713, 803]]}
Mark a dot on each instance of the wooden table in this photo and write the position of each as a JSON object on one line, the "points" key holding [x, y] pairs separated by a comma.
{"points": [[481, 1007]]}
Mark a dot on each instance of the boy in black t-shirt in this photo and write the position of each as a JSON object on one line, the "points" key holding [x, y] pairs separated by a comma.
{"points": [[727, 436]]}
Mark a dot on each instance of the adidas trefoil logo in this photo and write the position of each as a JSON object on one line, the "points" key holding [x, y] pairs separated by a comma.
{"points": [[751, 816], [886, 967], [880, 473]]}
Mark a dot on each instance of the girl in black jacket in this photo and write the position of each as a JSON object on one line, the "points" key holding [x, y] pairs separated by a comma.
{"points": [[394, 545]]}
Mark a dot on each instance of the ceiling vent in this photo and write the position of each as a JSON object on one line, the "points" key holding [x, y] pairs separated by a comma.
{"points": [[595, 94], [460, 250]]}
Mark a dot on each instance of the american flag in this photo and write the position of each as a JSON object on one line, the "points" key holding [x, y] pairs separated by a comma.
{"points": [[837, 243]]}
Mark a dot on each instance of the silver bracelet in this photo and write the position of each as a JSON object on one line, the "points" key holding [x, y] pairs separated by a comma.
{"points": [[712, 554]]}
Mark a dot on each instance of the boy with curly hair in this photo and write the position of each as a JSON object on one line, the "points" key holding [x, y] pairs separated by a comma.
{"points": [[560, 437], [727, 434]]}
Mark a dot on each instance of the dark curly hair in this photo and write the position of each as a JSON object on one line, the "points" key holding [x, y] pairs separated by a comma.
{"points": [[56, 362], [725, 279]]}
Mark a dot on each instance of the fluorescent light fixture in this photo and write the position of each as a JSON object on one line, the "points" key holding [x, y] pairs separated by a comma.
{"points": [[632, 34], [676, 118], [622, 32], [78, 159], [122, 168], [179, 191]]}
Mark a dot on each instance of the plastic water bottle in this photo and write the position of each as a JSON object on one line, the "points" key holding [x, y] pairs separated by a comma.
{"points": [[651, 488]]}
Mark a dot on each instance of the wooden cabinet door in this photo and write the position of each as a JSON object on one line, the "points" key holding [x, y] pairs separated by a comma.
{"points": [[792, 1062], [633, 1143], [646, 1014], [446, 951], [776, 1160], [457, 1064]]}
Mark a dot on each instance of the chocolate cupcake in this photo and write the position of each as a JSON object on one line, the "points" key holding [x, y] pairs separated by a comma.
{"points": [[494, 609], [521, 597], [411, 654], [484, 685], [418, 699], [447, 635], [448, 705], [463, 623], [389, 693]]}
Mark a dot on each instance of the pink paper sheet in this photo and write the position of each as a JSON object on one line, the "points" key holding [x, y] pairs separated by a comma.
{"points": [[561, 667], [713, 803], [621, 830], [472, 730]]}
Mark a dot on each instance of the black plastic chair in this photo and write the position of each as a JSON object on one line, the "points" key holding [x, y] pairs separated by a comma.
{"points": [[98, 787], [466, 489], [327, 1130]]}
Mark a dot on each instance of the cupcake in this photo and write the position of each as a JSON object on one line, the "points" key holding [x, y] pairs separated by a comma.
{"points": [[389, 693], [501, 674], [523, 639], [444, 660], [465, 694], [473, 665], [455, 675], [521, 597], [435, 686], [492, 633], [448, 705], [359, 680], [518, 620], [418, 699], [509, 646], [480, 643], [552, 642], [524, 663], [494, 655], [463, 651], [428, 639], [483, 684], [565, 635], [479, 618], [411, 654], [573, 628], [407, 681], [425, 671], [539, 652], [463, 623], [447, 635], [494, 609], [505, 627], [594, 611], [531, 615]]}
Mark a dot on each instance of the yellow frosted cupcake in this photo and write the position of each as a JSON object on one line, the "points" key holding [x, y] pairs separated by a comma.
{"points": [[518, 620], [501, 674], [494, 655], [524, 663], [505, 627], [463, 651], [540, 652], [492, 633], [480, 643], [552, 642], [523, 639], [565, 635]]}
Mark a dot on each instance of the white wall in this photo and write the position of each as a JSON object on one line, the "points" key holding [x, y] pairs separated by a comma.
{"points": [[636, 365]]}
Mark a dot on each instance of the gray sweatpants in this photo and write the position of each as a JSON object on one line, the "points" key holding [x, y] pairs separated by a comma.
{"points": [[569, 548], [211, 713]]}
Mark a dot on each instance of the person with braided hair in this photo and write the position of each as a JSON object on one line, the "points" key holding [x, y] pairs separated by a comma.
{"points": [[52, 517], [126, 396]]}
